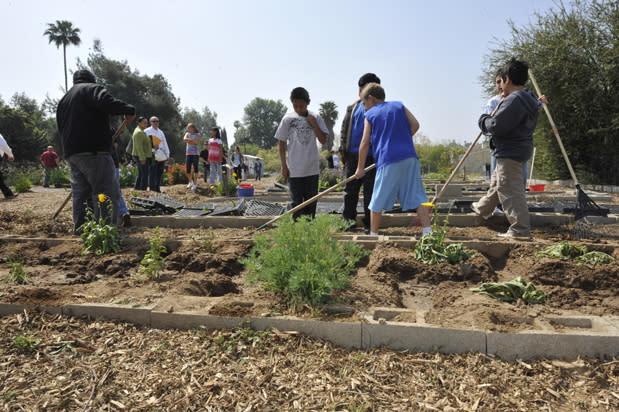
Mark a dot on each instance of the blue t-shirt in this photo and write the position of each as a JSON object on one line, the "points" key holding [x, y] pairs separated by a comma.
{"points": [[358, 119], [391, 133]]}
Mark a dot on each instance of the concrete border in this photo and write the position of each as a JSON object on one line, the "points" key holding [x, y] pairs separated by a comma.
{"points": [[369, 333]]}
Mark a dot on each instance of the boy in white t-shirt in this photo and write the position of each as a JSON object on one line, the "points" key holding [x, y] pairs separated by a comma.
{"points": [[297, 134]]}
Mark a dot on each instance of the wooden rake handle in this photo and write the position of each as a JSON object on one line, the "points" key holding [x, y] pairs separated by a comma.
{"points": [[466, 154], [315, 198]]}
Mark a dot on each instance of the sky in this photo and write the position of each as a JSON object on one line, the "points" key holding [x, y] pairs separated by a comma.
{"points": [[224, 53]]}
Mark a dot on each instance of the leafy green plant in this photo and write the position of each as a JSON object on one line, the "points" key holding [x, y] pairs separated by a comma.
{"points": [[17, 274], [98, 235], [328, 178], [204, 239], [595, 258], [304, 260], [232, 184], [243, 336], [27, 343], [562, 250], [60, 177], [7, 396], [127, 176], [511, 291], [23, 183], [153, 263], [432, 249]]}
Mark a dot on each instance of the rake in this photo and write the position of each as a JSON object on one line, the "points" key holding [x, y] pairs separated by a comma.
{"points": [[585, 206]]}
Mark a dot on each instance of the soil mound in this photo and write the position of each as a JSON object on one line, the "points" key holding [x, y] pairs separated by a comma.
{"points": [[569, 274], [212, 284]]}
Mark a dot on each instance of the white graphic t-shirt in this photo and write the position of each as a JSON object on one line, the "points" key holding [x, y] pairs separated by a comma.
{"points": [[302, 143]]}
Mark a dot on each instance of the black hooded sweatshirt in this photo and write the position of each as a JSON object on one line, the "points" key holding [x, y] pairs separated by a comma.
{"points": [[513, 125], [83, 116]]}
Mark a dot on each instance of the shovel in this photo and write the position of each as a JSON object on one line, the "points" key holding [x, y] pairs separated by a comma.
{"points": [[120, 129]]}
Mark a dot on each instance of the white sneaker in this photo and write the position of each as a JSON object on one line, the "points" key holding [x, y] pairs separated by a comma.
{"points": [[189, 185], [194, 186]]}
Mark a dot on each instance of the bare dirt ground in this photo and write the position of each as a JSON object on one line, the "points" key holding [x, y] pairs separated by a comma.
{"points": [[104, 365]]}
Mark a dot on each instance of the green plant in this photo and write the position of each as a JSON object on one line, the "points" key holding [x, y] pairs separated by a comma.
{"points": [[153, 263], [243, 336], [17, 274], [204, 239], [60, 177], [27, 343], [98, 235], [595, 258], [432, 249], [232, 184], [23, 183], [7, 396], [562, 250], [328, 178], [304, 260], [127, 175], [511, 291]]}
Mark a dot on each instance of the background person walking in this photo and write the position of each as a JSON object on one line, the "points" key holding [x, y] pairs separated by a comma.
{"points": [[50, 160]]}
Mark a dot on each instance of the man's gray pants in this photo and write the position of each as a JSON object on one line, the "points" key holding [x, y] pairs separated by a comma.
{"points": [[90, 176], [506, 188]]}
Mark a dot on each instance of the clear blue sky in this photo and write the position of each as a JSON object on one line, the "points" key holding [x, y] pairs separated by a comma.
{"points": [[222, 54]]}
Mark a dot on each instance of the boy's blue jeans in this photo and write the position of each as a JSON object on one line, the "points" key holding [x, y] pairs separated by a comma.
{"points": [[302, 189], [90, 176]]}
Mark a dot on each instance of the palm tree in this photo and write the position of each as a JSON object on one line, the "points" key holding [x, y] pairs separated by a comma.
{"points": [[63, 33], [328, 112]]}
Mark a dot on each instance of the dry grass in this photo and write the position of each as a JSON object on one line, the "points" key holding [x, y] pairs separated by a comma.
{"points": [[82, 365]]}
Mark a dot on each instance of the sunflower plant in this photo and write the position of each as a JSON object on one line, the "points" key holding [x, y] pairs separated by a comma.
{"points": [[98, 235]]}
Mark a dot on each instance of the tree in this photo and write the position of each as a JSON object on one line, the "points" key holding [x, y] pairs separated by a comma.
{"points": [[21, 133], [328, 112], [63, 33], [262, 116], [574, 54], [151, 96]]}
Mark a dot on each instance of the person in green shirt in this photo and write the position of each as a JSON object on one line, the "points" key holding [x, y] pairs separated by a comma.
{"points": [[142, 152]]}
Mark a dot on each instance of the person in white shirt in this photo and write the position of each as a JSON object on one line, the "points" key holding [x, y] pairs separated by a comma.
{"points": [[5, 149], [297, 134], [160, 157]]}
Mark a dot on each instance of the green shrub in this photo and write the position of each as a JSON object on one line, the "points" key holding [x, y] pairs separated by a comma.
{"points": [[60, 177], [304, 260], [27, 343], [98, 235], [17, 274], [127, 176], [153, 263], [23, 183], [232, 184], [328, 178]]}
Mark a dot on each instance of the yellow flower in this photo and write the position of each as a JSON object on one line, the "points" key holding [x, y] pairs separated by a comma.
{"points": [[233, 174], [212, 187], [101, 197]]}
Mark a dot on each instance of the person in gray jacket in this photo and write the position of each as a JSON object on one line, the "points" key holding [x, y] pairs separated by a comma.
{"points": [[511, 129]]}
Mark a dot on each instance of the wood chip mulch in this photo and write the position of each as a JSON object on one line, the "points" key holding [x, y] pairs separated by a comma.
{"points": [[57, 363]]}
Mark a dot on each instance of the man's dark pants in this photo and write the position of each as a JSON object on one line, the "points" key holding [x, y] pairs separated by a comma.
{"points": [[302, 189], [141, 183], [6, 191], [154, 177], [352, 188], [92, 175]]}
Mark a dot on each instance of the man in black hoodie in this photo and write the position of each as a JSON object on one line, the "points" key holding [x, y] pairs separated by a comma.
{"points": [[511, 129], [83, 118]]}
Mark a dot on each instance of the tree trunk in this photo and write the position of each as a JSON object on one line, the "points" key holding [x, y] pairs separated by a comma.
{"points": [[64, 53]]}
